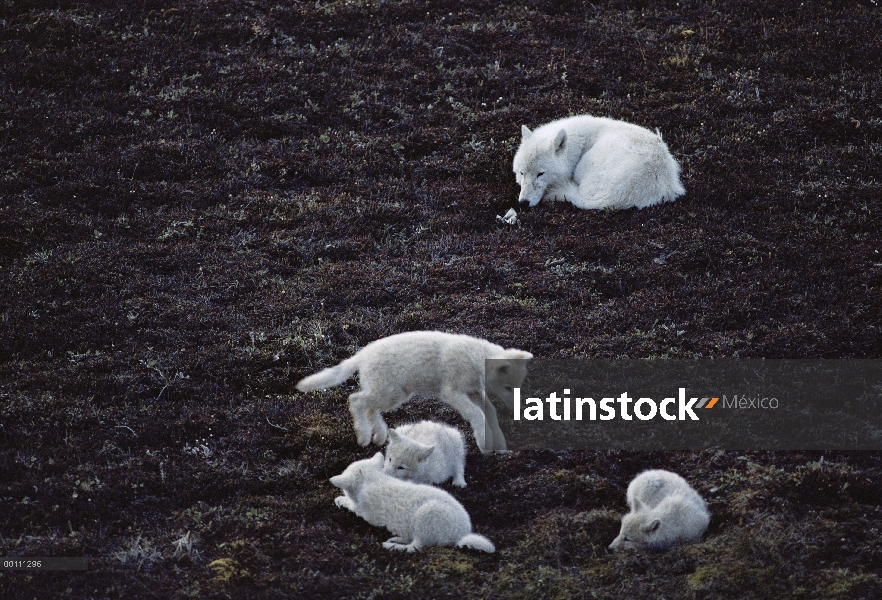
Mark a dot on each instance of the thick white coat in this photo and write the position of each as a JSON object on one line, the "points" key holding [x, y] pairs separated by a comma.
{"points": [[665, 511], [419, 516], [446, 366], [595, 162], [426, 452]]}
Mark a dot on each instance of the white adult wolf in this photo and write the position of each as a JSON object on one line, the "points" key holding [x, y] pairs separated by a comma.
{"points": [[430, 363], [426, 452], [595, 162], [665, 511], [419, 516]]}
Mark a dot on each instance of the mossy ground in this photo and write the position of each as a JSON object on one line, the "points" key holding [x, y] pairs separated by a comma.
{"points": [[201, 202]]}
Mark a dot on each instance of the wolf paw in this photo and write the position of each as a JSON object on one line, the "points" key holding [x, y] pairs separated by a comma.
{"points": [[399, 547], [344, 502]]}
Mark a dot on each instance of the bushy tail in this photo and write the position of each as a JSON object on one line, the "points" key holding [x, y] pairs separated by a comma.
{"points": [[476, 542], [329, 377]]}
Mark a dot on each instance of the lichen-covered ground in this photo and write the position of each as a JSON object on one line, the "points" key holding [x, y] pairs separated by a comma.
{"points": [[202, 202]]}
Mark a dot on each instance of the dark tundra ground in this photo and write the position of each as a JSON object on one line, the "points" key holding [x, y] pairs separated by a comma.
{"points": [[202, 202]]}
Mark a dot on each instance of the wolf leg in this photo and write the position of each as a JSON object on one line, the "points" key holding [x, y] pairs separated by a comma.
{"points": [[380, 429], [459, 475], [360, 407], [560, 191], [471, 412], [493, 428]]}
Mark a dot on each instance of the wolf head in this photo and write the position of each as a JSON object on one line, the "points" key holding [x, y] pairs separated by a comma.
{"points": [[355, 474], [405, 456], [639, 530], [507, 371], [655, 529], [539, 161]]}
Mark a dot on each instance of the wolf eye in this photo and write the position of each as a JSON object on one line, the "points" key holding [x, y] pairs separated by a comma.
{"points": [[401, 469], [540, 174]]}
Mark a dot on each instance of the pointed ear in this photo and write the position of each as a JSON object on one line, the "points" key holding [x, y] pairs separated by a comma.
{"points": [[424, 452], [378, 459], [340, 481], [638, 506], [651, 526], [560, 141], [394, 436], [525, 132]]}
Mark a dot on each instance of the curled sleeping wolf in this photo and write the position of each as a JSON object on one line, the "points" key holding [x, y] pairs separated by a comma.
{"points": [[595, 162], [430, 363], [420, 516], [665, 511], [426, 452]]}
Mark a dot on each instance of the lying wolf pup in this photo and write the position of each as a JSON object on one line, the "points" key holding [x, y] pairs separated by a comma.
{"points": [[419, 516], [665, 511], [595, 162], [426, 452], [430, 363]]}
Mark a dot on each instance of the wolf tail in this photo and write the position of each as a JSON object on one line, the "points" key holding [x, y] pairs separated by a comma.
{"points": [[476, 542], [329, 377]]}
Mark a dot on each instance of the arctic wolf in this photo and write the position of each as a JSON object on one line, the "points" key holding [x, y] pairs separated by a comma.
{"points": [[665, 511], [419, 516], [443, 365], [426, 452], [595, 162]]}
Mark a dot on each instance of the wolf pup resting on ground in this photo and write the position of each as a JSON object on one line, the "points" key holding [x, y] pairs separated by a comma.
{"points": [[665, 511], [426, 452], [419, 516], [430, 363], [595, 162]]}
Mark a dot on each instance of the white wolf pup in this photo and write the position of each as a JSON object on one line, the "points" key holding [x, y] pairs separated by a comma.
{"points": [[665, 511], [595, 162], [426, 452], [419, 516], [431, 363]]}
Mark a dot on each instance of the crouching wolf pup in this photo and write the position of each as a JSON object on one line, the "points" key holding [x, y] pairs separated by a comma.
{"points": [[665, 511], [426, 452], [430, 363], [419, 516], [595, 162]]}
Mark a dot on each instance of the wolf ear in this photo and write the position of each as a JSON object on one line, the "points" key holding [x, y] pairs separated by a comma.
{"points": [[638, 506], [394, 436], [378, 459], [340, 481], [651, 526], [516, 354], [525, 132], [560, 141], [424, 452]]}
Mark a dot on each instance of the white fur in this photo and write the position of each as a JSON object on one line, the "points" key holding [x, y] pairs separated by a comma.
{"points": [[665, 511], [595, 162], [419, 516], [426, 452], [430, 363]]}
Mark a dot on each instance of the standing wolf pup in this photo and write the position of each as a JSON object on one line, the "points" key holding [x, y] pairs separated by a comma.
{"points": [[431, 363], [595, 162]]}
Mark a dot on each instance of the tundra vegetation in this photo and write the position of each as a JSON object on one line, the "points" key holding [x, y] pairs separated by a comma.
{"points": [[203, 202]]}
